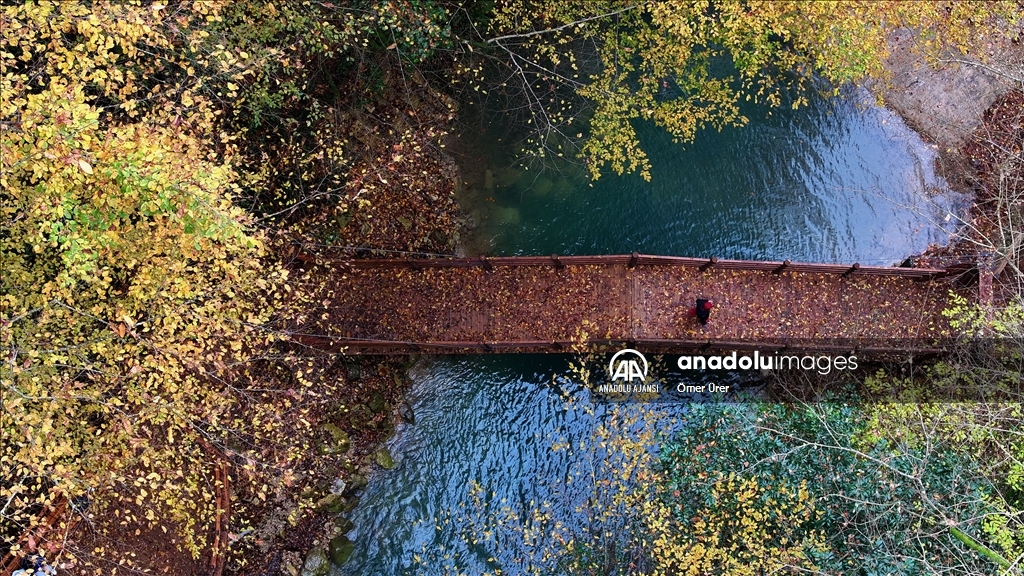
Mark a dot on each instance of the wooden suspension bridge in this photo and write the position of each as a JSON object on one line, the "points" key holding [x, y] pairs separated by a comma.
{"points": [[557, 303]]}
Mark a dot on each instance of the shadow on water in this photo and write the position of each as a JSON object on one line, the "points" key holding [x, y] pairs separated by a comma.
{"points": [[837, 181]]}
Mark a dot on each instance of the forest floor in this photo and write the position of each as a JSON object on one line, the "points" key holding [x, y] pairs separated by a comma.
{"points": [[401, 190]]}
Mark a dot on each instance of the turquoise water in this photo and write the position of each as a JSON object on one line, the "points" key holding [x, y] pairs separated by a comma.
{"points": [[837, 181], [833, 182]]}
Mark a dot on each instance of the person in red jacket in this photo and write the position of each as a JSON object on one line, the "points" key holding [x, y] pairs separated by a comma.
{"points": [[702, 310]]}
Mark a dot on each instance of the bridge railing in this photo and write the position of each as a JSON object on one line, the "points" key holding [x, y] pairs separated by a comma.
{"points": [[636, 259], [373, 346]]}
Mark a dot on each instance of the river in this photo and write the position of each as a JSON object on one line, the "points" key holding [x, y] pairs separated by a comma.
{"points": [[837, 181]]}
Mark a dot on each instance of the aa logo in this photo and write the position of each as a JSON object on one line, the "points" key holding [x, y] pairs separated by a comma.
{"points": [[628, 365]]}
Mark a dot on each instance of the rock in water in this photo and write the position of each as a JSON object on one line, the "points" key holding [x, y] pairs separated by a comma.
{"points": [[340, 549], [506, 215], [345, 525], [541, 187], [563, 187], [316, 563], [406, 414], [355, 482], [384, 459], [508, 177]]}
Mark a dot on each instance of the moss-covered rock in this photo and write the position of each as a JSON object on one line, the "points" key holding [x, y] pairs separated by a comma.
{"points": [[340, 549], [355, 483], [340, 442], [377, 403], [360, 416], [345, 525], [332, 504], [383, 458], [316, 563]]}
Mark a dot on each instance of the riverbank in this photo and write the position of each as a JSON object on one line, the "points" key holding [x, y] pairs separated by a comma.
{"points": [[945, 101], [402, 187], [970, 108]]}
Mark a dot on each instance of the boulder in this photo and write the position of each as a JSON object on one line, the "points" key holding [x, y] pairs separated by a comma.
{"points": [[343, 219], [506, 215], [406, 414], [338, 487], [332, 504], [541, 186], [345, 525], [508, 177], [317, 563], [377, 403], [355, 482], [383, 458], [340, 549], [353, 371], [564, 187], [439, 237], [340, 439], [360, 416]]}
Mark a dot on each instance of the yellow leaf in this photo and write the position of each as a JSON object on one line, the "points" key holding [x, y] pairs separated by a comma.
{"points": [[85, 166]]}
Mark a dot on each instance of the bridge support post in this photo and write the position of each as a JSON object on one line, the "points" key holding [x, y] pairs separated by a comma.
{"points": [[853, 269], [709, 264], [557, 261], [633, 258], [985, 293], [486, 263], [782, 268]]}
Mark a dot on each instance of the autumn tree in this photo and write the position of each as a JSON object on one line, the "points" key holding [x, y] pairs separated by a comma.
{"points": [[134, 290], [584, 72]]}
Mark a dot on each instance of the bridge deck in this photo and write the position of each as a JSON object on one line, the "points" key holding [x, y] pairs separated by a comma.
{"points": [[518, 305]]}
